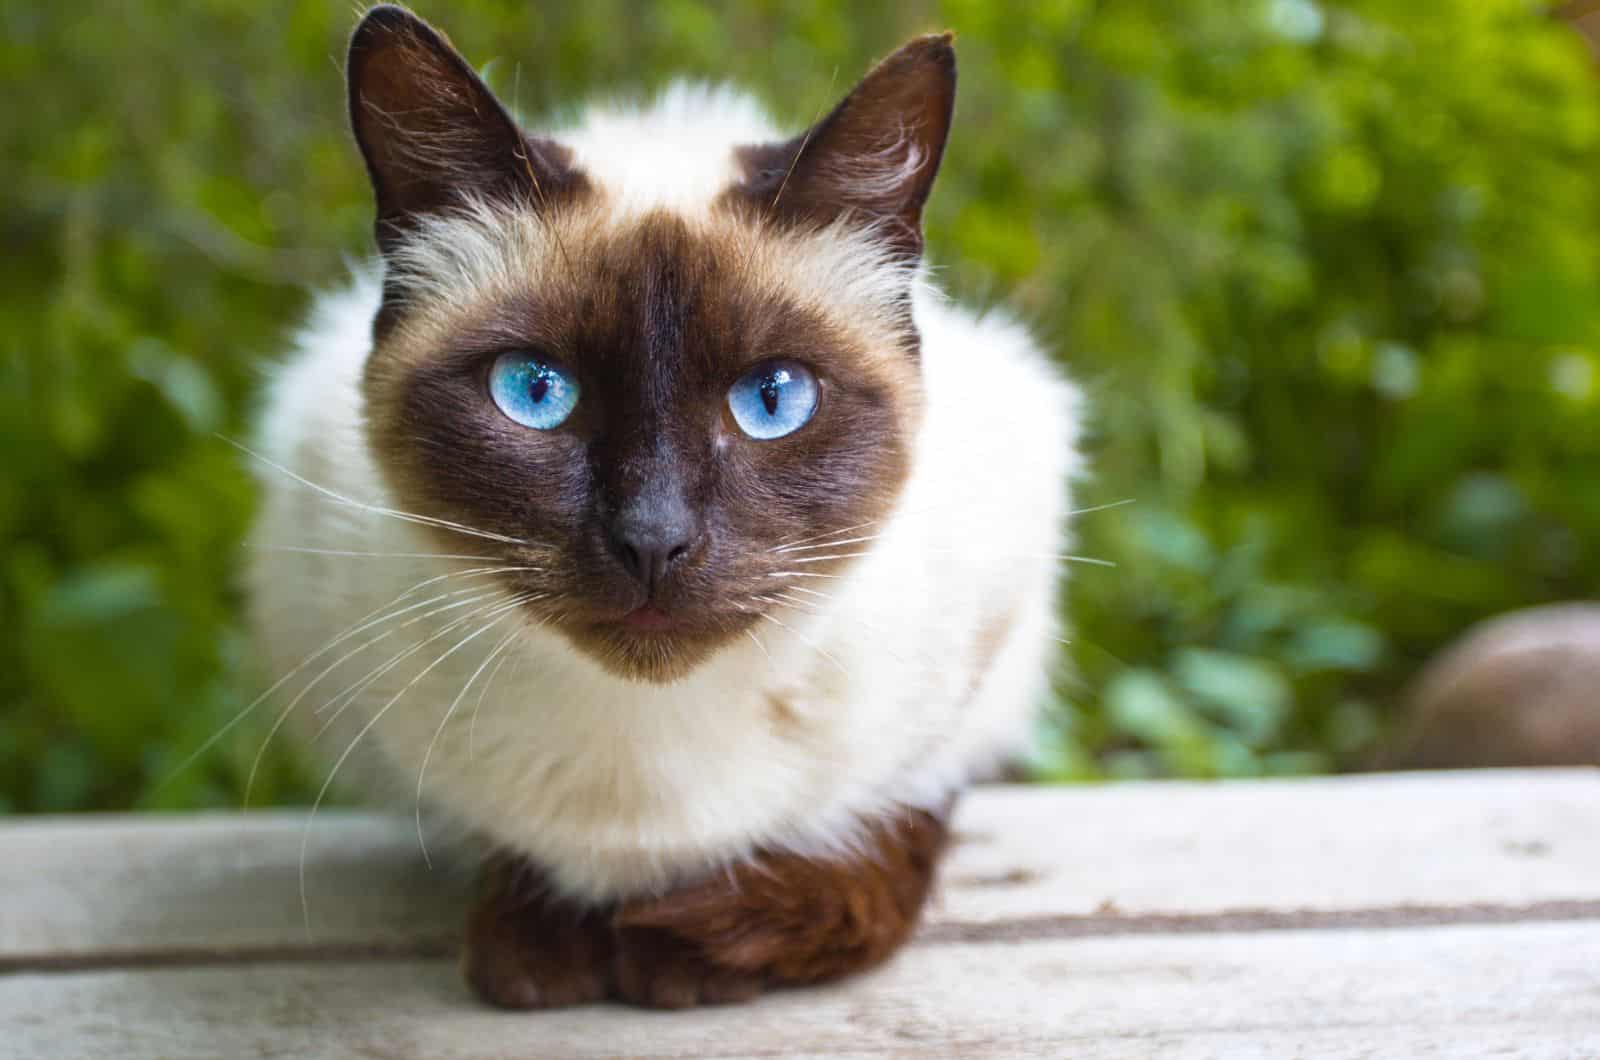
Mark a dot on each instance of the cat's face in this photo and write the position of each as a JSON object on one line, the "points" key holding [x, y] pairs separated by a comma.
{"points": [[653, 414]]}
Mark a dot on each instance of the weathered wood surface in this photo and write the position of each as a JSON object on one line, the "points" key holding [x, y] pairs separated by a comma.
{"points": [[1448, 915]]}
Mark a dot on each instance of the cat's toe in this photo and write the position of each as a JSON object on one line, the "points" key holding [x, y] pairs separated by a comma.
{"points": [[525, 950], [659, 969], [514, 977]]}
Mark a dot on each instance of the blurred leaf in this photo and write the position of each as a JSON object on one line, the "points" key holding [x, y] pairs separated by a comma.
{"points": [[1330, 272], [1334, 645], [1140, 702], [1250, 694], [106, 648]]}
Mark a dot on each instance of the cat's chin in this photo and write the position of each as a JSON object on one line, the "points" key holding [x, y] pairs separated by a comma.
{"points": [[646, 651]]}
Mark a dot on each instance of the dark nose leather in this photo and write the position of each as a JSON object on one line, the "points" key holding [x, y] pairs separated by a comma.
{"points": [[650, 535]]}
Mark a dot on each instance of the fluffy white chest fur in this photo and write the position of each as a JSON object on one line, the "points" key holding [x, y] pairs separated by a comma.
{"points": [[921, 662]]}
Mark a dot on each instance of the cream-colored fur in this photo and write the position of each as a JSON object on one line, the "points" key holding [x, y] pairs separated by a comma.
{"points": [[875, 696]]}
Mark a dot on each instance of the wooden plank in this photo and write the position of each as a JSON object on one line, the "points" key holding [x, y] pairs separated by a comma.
{"points": [[218, 883], [1514, 837], [1521, 990], [1029, 862]]}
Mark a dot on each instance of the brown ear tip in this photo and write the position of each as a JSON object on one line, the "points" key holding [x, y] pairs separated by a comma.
{"points": [[934, 48], [385, 18], [387, 23]]}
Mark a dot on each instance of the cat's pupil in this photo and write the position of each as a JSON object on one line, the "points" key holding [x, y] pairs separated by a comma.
{"points": [[769, 394], [540, 387]]}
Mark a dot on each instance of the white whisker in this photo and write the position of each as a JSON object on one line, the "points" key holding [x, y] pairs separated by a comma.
{"points": [[830, 544], [813, 645], [795, 602], [806, 608], [472, 727], [422, 772], [791, 543], [354, 692], [283, 716], [1103, 507], [488, 594], [768, 599], [787, 543], [305, 837], [361, 624], [308, 550], [393, 513], [475, 572], [470, 572], [757, 642], [1058, 557]]}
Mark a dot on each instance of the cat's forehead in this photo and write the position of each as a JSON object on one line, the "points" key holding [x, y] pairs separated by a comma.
{"points": [[587, 264], [675, 153], [654, 194], [658, 296]]}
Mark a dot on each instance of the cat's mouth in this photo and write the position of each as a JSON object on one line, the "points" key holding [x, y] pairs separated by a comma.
{"points": [[652, 643], [648, 619]]}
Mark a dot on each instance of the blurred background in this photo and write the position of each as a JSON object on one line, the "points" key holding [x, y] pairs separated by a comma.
{"points": [[1328, 269]]}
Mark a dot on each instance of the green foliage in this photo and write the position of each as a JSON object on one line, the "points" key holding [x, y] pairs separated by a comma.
{"points": [[1328, 269]]}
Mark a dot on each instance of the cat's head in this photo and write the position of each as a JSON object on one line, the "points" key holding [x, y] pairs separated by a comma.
{"points": [[656, 375]]}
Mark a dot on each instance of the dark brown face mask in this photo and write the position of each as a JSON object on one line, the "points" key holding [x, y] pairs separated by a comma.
{"points": [[653, 511]]}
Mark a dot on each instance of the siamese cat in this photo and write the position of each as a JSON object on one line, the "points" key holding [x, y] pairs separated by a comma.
{"points": [[647, 515]]}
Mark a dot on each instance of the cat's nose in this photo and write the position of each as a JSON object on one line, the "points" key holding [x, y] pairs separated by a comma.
{"points": [[651, 541]]}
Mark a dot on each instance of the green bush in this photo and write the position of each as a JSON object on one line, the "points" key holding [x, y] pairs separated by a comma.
{"points": [[1328, 270]]}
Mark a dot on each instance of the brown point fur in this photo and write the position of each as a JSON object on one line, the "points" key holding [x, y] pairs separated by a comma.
{"points": [[657, 318], [527, 949], [778, 919], [874, 156], [430, 130]]}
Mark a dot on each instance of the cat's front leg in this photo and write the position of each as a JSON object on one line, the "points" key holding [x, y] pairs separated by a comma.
{"points": [[528, 949], [779, 919]]}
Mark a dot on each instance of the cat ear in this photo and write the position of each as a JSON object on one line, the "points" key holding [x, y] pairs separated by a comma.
{"points": [[874, 157], [430, 129]]}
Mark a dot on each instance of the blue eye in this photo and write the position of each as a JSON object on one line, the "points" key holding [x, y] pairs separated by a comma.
{"points": [[532, 391], [773, 400]]}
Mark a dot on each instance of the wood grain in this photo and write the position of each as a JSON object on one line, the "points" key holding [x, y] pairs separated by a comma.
{"points": [[1526, 991], [1443, 914], [1464, 845]]}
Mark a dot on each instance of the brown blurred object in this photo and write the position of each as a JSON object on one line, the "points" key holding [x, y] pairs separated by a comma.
{"points": [[1520, 690], [1585, 14]]}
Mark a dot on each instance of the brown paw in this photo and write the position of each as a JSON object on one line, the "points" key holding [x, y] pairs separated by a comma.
{"points": [[525, 950], [779, 919], [658, 969]]}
